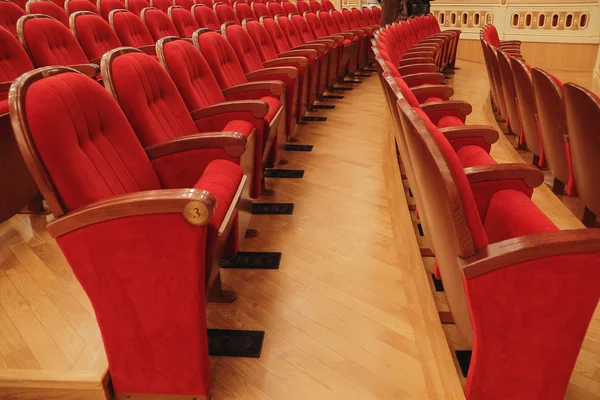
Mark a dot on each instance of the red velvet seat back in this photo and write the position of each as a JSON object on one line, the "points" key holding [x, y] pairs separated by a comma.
{"points": [[350, 20], [492, 35], [9, 15], [244, 11], [360, 17], [225, 13], [261, 10], [278, 38], [340, 21], [48, 8], [315, 25], [14, 60], [99, 155], [315, 6], [227, 2], [158, 23], [19, 3], [206, 17], [302, 28], [136, 6], [149, 98], [327, 5], [191, 74], [94, 34], [73, 6], [262, 40], [376, 14], [222, 60], [276, 9], [184, 21], [106, 6], [289, 7], [187, 4], [303, 7], [162, 5], [50, 43], [131, 29], [208, 3], [328, 22], [244, 48], [369, 16], [290, 31]]}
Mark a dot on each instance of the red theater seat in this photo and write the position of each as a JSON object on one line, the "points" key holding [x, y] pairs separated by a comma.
{"points": [[276, 9], [49, 42], [131, 31], [187, 4], [158, 23], [106, 6], [261, 10], [9, 15], [513, 120], [49, 8], [73, 6], [225, 13], [136, 6], [122, 228], [162, 5], [315, 6], [362, 20], [303, 7], [376, 14], [208, 3], [206, 17], [351, 41], [370, 17], [184, 21], [203, 97], [289, 7], [244, 11], [344, 47], [237, 86], [95, 36]]}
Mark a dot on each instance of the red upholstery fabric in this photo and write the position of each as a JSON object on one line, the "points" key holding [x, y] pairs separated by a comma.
{"points": [[158, 23], [290, 31], [471, 156], [316, 26], [14, 61], [276, 9], [222, 60], [51, 43], [136, 6], [315, 6], [264, 45], [208, 3], [244, 11], [360, 17], [303, 7], [184, 22], [206, 17], [48, 8], [131, 30], [327, 5], [274, 106], [244, 48], [9, 15], [72, 6], [261, 10], [225, 13], [187, 4], [95, 35], [279, 39], [328, 22], [448, 121], [106, 6], [376, 14], [289, 7], [162, 5], [303, 28], [340, 21]]}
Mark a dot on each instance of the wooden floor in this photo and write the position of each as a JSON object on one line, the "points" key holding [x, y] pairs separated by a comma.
{"points": [[349, 314]]}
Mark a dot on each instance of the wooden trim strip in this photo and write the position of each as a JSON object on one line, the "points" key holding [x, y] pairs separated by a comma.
{"points": [[234, 144]]}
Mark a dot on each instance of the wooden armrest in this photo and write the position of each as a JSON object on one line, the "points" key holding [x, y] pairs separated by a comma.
{"points": [[298, 62], [5, 86], [276, 87], [91, 70], [435, 77], [337, 38], [445, 90], [234, 144], [148, 49], [197, 206], [487, 133], [529, 174], [291, 72], [258, 108], [314, 46], [526, 248], [416, 68], [417, 60], [357, 32], [308, 53], [417, 54], [327, 42], [433, 46], [346, 35], [462, 106]]}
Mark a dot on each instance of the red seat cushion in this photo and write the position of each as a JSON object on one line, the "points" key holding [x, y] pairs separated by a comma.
{"points": [[449, 121], [512, 214], [433, 99], [243, 127], [470, 156], [274, 106], [3, 105]]}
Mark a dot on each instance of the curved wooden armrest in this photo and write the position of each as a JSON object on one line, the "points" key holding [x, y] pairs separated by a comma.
{"points": [[433, 90], [276, 88], [510, 42], [417, 60], [416, 68], [234, 144], [422, 49], [148, 49], [258, 108], [418, 54], [346, 35], [531, 247], [459, 105], [188, 202], [487, 133], [337, 38], [308, 53], [91, 70], [327, 42], [291, 72], [314, 46], [357, 32], [298, 62], [435, 77], [529, 174], [5, 86], [427, 45]]}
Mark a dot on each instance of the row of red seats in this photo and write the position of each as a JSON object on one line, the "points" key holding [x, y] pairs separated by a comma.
{"points": [[532, 103], [521, 291]]}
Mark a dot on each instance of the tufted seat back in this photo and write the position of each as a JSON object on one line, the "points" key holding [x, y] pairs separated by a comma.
{"points": [[94, 34]]}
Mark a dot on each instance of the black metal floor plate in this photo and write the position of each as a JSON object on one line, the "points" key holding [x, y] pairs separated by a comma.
{"points": [[410, 193], [284, 173], [439, 286], [312, 118], [420, 228], [369, 69], [333, 97], [343, 88], [273, 208], [230, 343], [298, 147], [464, 360], [323, 107], [253, 260], [362, 75]]}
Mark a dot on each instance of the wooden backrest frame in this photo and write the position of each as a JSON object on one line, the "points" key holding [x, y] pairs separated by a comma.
{"points": [[525, 96], [21, 31], [510, 91], [106, 68]]}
